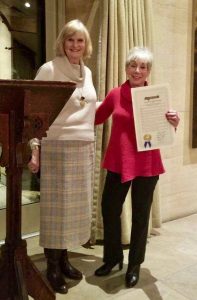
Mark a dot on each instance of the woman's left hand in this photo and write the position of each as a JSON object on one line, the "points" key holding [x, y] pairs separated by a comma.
{"points": [[173, 117]]}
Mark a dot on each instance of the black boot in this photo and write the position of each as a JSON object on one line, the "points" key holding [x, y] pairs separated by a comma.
{"points": [[106, 268], [67, 269], [132, 275], [54, 274]]}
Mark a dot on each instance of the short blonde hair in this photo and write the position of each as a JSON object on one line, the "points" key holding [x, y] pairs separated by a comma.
{"points": [[141, 53], [67, 31]]}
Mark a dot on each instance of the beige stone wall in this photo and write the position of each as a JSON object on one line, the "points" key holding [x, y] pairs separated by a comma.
{"points": [[172, 21]]}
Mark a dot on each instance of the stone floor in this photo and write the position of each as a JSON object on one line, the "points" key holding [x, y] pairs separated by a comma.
{"points": [[168, 273]]}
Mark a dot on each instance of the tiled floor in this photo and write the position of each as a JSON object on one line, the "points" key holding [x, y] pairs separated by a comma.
{"points": [[168, 273]]}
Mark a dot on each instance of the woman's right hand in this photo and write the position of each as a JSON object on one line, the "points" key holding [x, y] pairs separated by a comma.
{"points": [[34, 163]]}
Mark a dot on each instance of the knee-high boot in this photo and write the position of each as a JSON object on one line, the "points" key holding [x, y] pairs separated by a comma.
{"points": [[54, 273], [67, 269]]}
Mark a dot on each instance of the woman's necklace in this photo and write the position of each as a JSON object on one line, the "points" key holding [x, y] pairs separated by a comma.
{"points": [[82, 99]]}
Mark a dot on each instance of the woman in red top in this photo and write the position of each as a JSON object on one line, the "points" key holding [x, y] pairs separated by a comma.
{"points": [[126, 167]]}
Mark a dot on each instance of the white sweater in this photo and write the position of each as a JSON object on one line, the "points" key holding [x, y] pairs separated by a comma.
{"points": [[74, 122]]}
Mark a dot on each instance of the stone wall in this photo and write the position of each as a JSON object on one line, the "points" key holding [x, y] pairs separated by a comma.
{"points": [[173, 53]]}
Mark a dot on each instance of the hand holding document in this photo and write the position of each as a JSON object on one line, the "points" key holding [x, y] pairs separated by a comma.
{"points": [[150, 105]]}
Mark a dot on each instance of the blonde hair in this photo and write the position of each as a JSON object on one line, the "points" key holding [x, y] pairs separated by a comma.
{"points": [[141, 53], [67, 31]]}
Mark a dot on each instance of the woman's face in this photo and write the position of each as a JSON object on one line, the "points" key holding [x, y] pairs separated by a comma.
{"points": [[74, 47], [137, 72]]}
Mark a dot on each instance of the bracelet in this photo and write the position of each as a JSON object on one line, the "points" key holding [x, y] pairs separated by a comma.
{"points": [[34, 147], [34, 144]]}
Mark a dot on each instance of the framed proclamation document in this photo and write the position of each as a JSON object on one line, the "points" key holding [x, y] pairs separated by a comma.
{"points": [[150, 104]]}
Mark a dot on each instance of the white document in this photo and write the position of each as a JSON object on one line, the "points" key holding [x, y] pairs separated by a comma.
{"points": [[150, 104]]}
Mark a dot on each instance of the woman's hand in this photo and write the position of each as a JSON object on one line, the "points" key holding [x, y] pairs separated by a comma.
{"points": [[34, 163], [173, 117]]}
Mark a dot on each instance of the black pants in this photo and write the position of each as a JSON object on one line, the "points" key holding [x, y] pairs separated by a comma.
{"points": [[114, 195]]}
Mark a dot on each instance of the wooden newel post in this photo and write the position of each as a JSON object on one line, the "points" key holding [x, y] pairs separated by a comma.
{"points": [[27, 109]]}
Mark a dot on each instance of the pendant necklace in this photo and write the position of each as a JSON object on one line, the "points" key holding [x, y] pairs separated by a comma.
{"points": [[82, 99]]}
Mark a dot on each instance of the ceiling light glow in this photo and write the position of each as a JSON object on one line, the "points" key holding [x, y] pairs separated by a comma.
{"points": [[27, 4]]}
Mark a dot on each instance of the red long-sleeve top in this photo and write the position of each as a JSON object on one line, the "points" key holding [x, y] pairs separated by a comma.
{"points": [[121, 155]]}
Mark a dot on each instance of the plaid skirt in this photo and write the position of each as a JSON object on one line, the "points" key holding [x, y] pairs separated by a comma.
{"points": [[66, 187]]}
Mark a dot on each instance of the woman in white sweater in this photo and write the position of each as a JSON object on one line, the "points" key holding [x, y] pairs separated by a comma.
{"points": [[67, 157]]}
